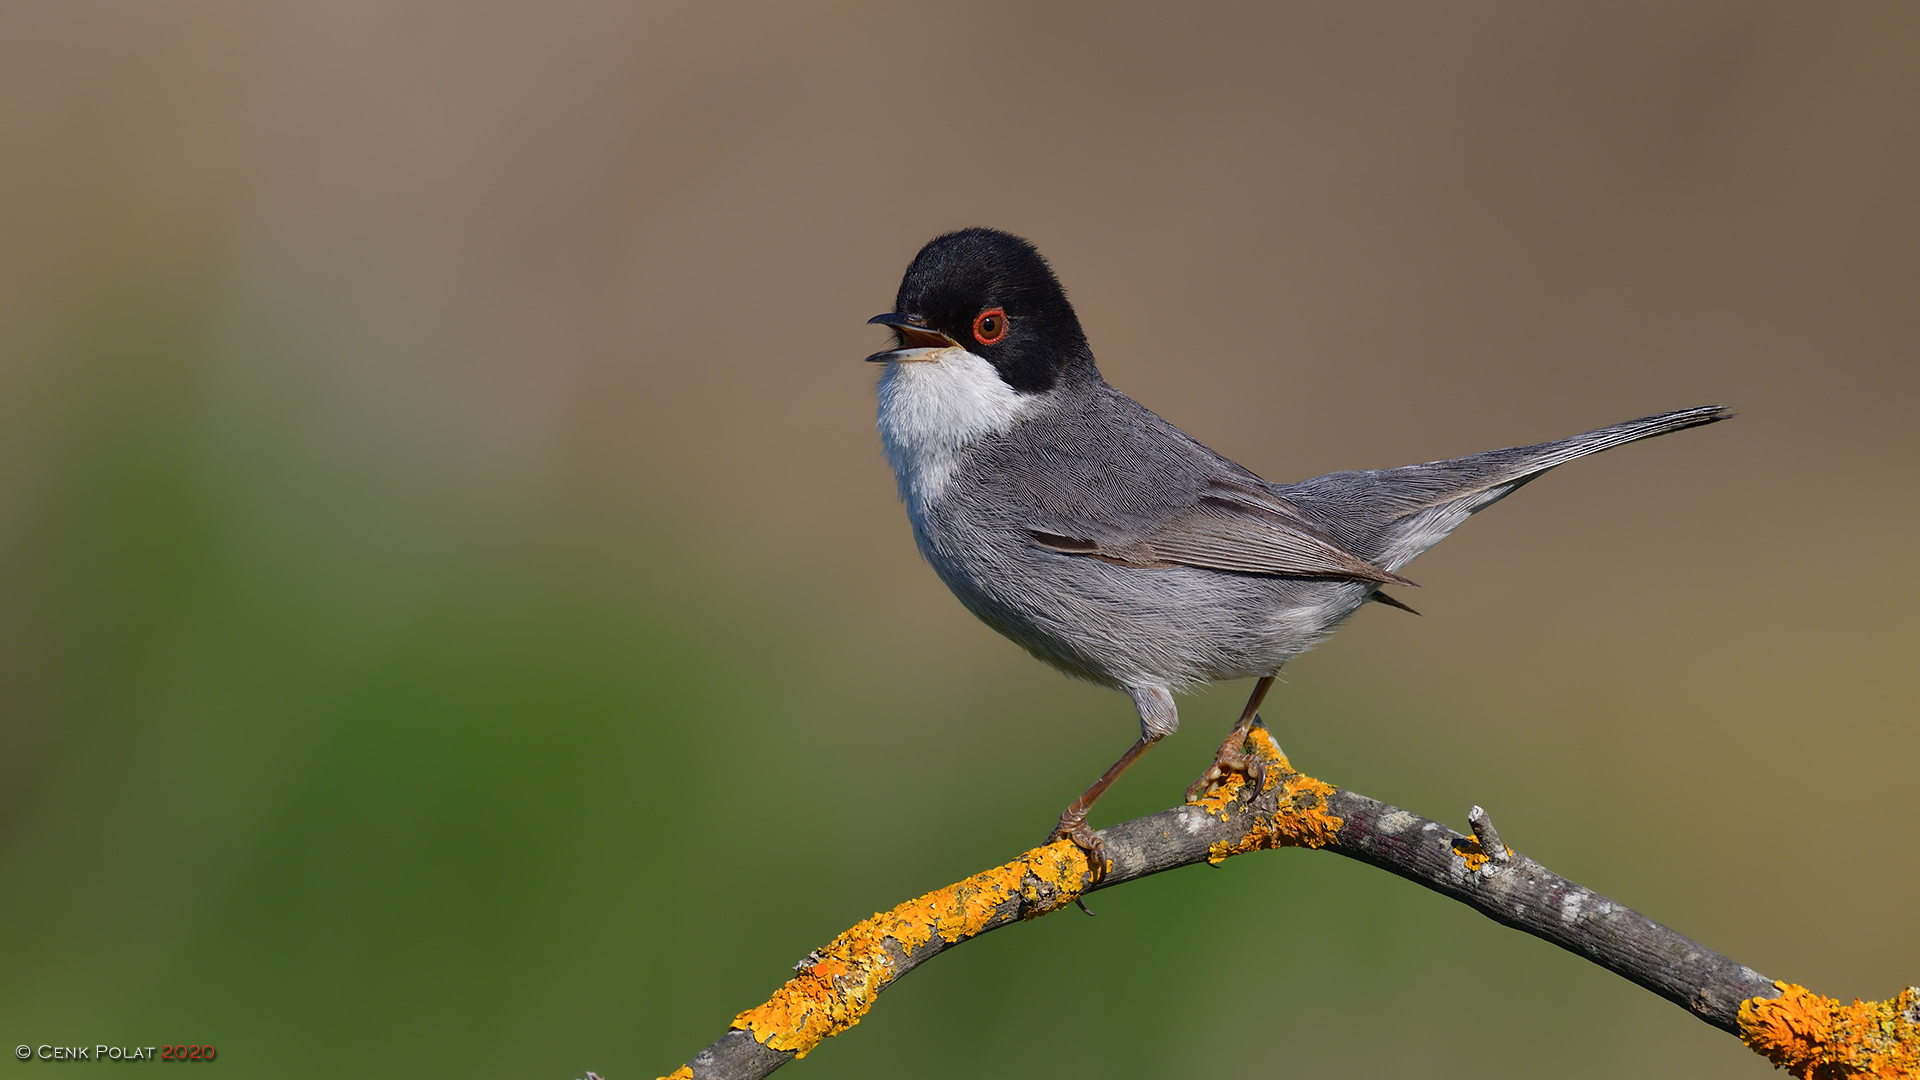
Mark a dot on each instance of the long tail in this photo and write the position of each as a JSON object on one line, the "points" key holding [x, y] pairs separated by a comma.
{"points": [[1388, 516]]}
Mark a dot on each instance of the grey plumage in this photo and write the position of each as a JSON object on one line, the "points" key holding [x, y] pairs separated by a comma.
{"points": [[1143, 591], [1388, 516], [1111, 544]]}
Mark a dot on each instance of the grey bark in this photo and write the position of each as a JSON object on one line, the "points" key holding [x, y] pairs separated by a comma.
{"points": [[1514, 891]]}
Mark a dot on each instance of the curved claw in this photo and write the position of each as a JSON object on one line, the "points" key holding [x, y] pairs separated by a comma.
{"points": [[1227, 761], [1074, 827]]}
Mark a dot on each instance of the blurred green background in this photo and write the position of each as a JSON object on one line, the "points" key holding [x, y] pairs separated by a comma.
{"points": [[455, 619]]}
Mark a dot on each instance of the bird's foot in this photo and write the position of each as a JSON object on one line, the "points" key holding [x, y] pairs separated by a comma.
{"points": [[1073, 826], [1232, 759]]}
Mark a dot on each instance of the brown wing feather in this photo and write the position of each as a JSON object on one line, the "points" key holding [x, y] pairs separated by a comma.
{"points": [[1239, 527]]}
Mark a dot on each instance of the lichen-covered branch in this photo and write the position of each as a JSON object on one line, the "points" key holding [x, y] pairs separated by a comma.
{"points": [[1813, 1037]]}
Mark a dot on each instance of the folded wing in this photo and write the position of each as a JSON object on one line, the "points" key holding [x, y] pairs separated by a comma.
{"points": [[1236, 525]]}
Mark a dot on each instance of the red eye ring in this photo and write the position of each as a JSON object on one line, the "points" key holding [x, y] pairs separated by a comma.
{"points": [[990, 326]]}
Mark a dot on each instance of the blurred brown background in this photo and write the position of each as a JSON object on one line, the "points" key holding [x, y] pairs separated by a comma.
{"points": [[455, 619]]}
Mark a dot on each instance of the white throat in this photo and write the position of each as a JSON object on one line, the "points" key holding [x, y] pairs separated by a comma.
{"points": [[932, 408]]}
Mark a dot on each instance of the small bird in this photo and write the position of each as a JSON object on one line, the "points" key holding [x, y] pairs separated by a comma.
{"points": [[1111, 544]]}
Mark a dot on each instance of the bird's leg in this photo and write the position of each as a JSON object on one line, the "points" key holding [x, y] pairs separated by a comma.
{"points": [[1232, 757], [1073, 822]]}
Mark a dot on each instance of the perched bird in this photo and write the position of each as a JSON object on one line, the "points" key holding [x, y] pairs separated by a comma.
{"points": [[1113, 545]]}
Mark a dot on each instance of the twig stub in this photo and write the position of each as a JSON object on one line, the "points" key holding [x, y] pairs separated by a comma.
{"points": [[1488, 836]]}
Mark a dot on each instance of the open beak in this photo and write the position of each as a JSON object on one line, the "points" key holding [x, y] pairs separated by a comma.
{"points": [[916, 340]]}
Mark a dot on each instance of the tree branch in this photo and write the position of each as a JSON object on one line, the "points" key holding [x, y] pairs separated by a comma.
{"points": [[1810, 1035]]}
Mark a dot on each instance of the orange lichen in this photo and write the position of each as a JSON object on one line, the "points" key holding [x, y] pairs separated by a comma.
{"points": [[1817, 1038], [1224, 794], [838, 986], [684, 1072], [1472, 853], [1300, 820]]}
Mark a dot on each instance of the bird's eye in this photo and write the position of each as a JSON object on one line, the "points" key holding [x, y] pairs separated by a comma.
{"points": [[990, 326]]}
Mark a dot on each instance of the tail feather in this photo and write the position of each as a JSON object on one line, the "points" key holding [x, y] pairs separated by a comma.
{"points": [[1380, 596], [1388, 516]]}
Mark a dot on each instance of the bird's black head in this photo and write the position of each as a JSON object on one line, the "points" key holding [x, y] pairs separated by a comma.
{"points": [[992, 294]]}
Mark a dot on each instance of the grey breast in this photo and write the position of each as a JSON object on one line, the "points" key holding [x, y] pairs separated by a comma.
{"points": [[1097, 466]]}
